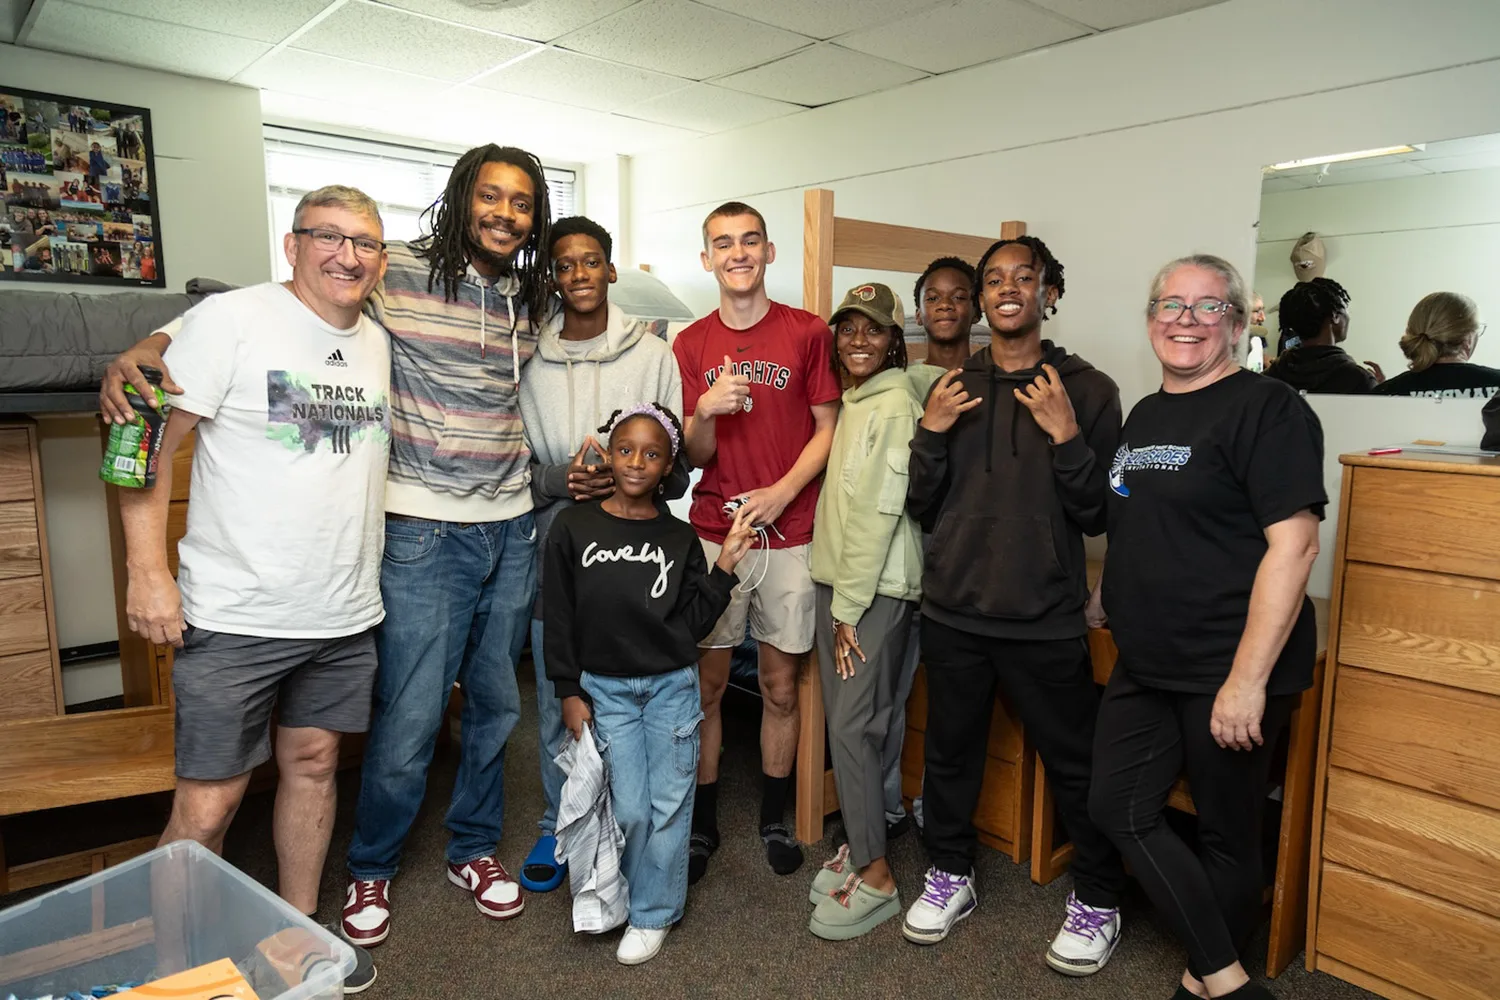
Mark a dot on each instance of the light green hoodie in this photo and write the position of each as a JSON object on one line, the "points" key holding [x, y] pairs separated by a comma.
{"points": [[863, 541]]}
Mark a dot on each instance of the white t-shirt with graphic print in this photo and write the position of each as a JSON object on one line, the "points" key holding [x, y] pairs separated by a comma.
{"points": [[286, 522]]}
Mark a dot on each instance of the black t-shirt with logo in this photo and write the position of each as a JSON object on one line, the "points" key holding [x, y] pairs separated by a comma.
{"points": [[1197, 479], [1455, 380]]}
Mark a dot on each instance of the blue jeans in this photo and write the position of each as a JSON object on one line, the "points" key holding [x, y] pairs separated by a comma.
{"points": [[457, 600], [647, 728], [549, 734]]}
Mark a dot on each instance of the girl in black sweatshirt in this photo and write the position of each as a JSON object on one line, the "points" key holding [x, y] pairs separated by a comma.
{"points": [[628, 596]]}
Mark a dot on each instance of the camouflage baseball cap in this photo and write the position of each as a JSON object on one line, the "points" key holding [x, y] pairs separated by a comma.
{"points": [[876, 301]]}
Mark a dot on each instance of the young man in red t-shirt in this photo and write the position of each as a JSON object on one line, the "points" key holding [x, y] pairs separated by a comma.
{"points": [[761, 400]]}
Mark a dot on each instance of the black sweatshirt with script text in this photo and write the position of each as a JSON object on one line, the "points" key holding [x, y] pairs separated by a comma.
{"points": [[625, 598]]}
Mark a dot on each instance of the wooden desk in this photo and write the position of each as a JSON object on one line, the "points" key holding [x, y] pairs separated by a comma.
{"points": [[1405, 881]]}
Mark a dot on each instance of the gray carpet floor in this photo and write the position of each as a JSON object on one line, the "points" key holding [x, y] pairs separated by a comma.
{"points": [[745, 930]]}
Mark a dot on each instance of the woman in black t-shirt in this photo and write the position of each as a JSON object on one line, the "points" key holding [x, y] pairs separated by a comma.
{"points": [[1440, 337], [1216, 492]]}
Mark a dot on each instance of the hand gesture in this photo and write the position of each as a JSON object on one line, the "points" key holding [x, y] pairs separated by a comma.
{"points": [[727, 395], [114, 405], [1376, 371], [766, 504], [737, 543], [845, 648], [1048, 402], [1235, 723], [947, 401], [153, 608], [586, 480], [576, 715]]}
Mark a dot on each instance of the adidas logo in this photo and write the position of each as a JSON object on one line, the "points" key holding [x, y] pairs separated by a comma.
{"points": [[336, 360]]}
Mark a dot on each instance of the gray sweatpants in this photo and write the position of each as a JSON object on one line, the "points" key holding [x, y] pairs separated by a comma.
{"points": [[859, 715], [895, 738]]}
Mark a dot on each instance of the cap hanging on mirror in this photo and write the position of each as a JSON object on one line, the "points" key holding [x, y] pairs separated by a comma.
{"points": [[1309, 257]]}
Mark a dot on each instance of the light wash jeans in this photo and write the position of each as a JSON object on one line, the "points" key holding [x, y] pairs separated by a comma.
{"points": [[647, 730]]}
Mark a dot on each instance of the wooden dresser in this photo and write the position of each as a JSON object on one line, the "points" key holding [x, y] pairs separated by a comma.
{"points": [[1404, 894], [30, 680]]}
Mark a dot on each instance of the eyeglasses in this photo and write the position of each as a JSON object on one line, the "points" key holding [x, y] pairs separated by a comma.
{"points": [[332, 242], [1209, 312]]}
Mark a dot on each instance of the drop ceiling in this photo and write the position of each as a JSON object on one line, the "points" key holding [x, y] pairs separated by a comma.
{"points": [[1480, 152], [589, 77]]}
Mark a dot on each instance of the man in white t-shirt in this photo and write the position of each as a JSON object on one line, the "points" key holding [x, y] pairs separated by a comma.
{"points": [[278, 586]]}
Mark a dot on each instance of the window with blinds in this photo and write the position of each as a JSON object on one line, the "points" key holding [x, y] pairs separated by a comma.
{"points": [[403, 180]]}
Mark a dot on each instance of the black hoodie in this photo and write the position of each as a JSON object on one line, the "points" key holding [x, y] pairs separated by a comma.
{"points": [[1008, 509], [1321, 368]]}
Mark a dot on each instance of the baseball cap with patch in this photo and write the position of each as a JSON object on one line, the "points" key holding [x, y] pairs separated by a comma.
{"points": [[874, 300], [1309, 257]]}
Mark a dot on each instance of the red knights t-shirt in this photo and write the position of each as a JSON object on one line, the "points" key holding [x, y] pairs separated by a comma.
{"points": [[786, 356]]}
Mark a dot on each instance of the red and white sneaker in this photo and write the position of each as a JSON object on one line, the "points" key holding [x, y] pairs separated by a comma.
{"points": [[367, 912], [496, 894]]}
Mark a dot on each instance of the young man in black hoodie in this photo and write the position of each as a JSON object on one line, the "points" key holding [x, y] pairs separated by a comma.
{"points": [[1314, 318], [1009, 468]]}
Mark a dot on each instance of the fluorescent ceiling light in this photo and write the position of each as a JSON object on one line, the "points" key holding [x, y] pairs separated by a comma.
{"points": [[1363, 154]]}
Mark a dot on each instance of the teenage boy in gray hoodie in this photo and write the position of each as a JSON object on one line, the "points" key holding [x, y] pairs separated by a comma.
{"points": [[590, 361]]}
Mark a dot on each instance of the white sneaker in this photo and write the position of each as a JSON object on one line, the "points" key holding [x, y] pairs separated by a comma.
{"points": [[1087, 939], [640, 945], [945, 901]]}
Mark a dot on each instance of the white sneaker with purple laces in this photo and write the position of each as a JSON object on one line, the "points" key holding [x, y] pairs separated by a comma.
{"points": [[946, 899], [1087, 939]]}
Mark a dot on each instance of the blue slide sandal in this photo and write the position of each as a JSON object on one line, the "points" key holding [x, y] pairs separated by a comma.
{"points": [[541, 872]]}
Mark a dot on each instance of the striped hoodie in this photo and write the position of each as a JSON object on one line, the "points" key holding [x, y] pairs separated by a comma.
{"points": [[457, 449]]}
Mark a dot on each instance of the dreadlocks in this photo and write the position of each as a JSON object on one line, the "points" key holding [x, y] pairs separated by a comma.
{"points": [[941, 264], [1306, 306], [1052, 270], [447, 246]]}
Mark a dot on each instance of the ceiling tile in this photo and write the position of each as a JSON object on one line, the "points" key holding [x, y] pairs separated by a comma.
{"points": [[11, 12], [541, 20], [101, 34], [1457, 147], [1355, 173], [1275, 185], [684, 39], [706, 108], [821, 75], [264, 22], [382, 36], [963, 33], [822, 18], [570, 78], [1467, 161], [1104, 14], [341, 81]]}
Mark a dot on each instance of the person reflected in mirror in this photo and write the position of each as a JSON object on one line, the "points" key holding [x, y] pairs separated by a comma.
{"points": [[1441, 336], [1314, 317], [1259, 337]]}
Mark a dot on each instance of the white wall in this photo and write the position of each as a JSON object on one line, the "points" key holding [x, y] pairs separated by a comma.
{"points": [[1122, 151], [1390, 243], [211, 185]]}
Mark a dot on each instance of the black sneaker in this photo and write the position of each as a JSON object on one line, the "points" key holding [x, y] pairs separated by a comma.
{"points": [[898, 828], [363, 975]]}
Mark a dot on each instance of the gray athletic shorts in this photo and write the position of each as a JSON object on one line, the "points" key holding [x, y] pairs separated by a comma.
{"points": [[226, 686]]}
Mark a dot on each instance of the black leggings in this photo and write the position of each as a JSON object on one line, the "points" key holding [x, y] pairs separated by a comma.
{"points": [[1146, 738]]}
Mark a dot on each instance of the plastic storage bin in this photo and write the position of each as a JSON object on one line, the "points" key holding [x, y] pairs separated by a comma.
{"points": [[176, 908]]}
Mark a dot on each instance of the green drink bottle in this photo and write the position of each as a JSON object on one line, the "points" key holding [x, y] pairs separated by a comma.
{"points": [[131, 454]]}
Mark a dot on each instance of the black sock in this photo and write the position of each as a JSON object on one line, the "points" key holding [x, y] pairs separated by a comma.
{"points": [[1250, 991], [706, 810], [773, 798]]}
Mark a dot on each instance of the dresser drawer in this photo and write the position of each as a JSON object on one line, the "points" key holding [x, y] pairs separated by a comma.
{"points": [[1427, 736], [1428, 946], [30, 693], [1443, 629], [23, 616], [20, 552], [1433, 521], [1422, 841], [15, 464]]}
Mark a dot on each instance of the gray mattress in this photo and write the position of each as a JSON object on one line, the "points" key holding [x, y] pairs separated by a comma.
{"points": [[59, 341]]}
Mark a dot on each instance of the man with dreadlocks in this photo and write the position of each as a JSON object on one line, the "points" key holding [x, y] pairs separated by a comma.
{"points": [[458, 573], [1314, 320], [1010, 463]]}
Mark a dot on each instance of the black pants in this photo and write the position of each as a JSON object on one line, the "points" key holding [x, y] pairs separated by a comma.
{"points": [[1050, 685], [1146, 738]]}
